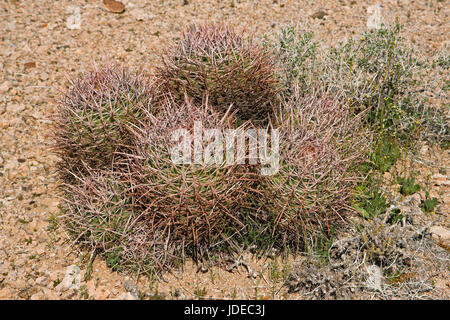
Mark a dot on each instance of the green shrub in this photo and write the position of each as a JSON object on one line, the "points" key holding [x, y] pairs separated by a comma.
{"points": [[385, 154], [383, 79], [369, 202], [408, 185]]}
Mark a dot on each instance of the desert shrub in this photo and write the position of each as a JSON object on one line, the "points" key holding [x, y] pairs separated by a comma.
{"points": [[214, 62], [321, 146], [429, 204], [378, 73], [96, 115], [369, 201], [193, 206], [384, 154], [296, 53], [408, 185]]}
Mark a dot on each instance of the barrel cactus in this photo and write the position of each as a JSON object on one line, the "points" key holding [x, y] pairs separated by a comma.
{"points": [[96, 116], [196, 202]]}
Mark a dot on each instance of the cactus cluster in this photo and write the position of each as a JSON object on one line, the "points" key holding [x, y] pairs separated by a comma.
{"points": [[128, 199]]}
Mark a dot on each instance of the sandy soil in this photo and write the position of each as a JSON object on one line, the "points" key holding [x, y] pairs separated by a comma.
{"points": [[39, 48]]}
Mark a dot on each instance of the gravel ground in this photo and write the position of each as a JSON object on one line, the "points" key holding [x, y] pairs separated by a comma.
{"points": [[41, 45]]}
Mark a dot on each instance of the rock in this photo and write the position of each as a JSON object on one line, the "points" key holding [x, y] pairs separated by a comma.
{"points": [[440, 233], [37, 296], [114, 6], [29, 65], [131, 287], [53, 275], [91, 287], [40, 249], [179, 294], [102, 294], [319, 14], [42, 281], [374, 278], [412, 200], [70, 294], [44, 76], [126, 296], [11, 277], [73, 21], [20, 283], [50, 294], [71, 280], [423, 149], [15, 108]]}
